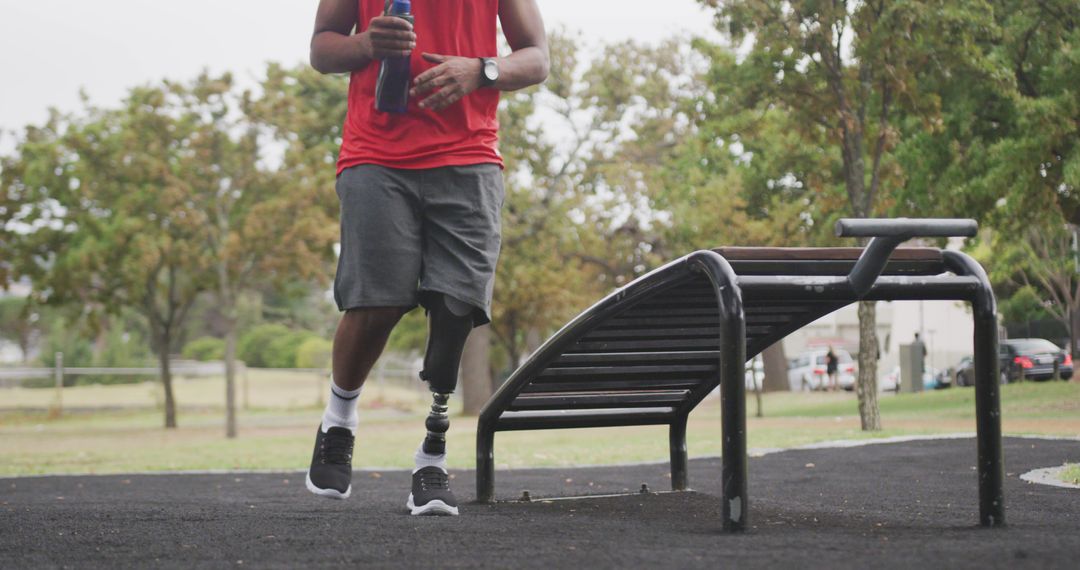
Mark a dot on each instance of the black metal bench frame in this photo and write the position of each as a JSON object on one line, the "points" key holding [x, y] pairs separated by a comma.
{"points": [[765, 281]]}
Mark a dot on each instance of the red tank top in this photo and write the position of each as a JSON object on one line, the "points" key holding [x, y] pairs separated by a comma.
{"points": [[463, 133]]}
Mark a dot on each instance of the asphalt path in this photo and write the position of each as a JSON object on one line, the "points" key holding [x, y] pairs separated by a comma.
{"points": [[894, 505]]}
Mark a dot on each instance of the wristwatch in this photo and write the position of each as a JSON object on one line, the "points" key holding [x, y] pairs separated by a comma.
{"points": [[489, 71]]}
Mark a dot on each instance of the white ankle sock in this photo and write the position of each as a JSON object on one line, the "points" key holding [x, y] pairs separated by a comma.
{"points": [[427, 460], [341, 409]]}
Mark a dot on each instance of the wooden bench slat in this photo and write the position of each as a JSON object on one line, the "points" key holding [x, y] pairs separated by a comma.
{"points": [[599, 400], [657, 334], [645, 312], [684, 302], [555, 419], [625, 370], [589, 358], [616, 345], [667, 321], [925, 254], [612, 385], [653, 333]]}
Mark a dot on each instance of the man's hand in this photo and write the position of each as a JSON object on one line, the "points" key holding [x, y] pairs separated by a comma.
{"points": [[390, 37], [454, 78]]}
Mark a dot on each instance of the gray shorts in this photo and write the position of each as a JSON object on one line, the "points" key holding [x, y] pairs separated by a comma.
{"points": [[408, 233]]}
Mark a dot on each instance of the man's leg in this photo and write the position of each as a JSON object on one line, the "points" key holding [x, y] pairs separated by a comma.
{"points": [[462, 235], [360, 339], [449, 323], [375, 284]]}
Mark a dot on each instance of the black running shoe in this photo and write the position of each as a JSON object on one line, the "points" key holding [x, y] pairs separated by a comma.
{"points": [[431, 493], [330, 474]]}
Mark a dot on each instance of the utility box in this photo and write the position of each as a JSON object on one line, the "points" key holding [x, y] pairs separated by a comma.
{"points": [[911, 367]]}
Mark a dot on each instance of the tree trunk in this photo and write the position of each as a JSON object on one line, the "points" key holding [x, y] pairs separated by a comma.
{"points": [[101, 342], [166, 381], [533, 340], [866, 387], [1074, 331], [24, 348], [757, 383], [776, 368], [230, 374], [476, 384], [227, 299]]}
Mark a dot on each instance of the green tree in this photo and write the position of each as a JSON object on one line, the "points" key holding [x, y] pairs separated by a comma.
{"points": [[148, 205], [837, 78], [261, 225], [106, 219], [1007, 151], [1035, 265]]}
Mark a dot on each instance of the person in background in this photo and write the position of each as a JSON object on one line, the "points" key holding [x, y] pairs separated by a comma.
{"points": [[831, 365]]}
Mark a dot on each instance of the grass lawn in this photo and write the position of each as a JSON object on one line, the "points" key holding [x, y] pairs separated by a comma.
{"points": [[1071, 474], [117, 429]]}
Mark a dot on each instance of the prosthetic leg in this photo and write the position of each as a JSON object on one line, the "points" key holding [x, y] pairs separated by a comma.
{"points": [[449, 324]]}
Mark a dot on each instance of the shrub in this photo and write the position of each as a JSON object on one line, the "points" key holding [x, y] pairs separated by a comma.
{"points": [[314, 353], [204, 349], [254, 345], [283, 349], [272, 346]]}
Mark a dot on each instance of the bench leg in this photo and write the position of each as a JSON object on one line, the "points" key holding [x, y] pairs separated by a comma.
{"points": [[733, 423], [485, 464], [988, 419], [677, 440]]}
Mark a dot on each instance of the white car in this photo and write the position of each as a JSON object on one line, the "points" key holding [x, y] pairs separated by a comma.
{"points": [[807, 371]]}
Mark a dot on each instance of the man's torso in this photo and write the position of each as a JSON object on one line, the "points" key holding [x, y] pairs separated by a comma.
{"points": [[463, 133]]}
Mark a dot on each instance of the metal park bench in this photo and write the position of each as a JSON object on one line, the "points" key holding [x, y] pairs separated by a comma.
{"points": [[649, 353]]}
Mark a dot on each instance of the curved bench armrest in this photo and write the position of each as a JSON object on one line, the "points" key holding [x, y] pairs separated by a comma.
{"points": [[906, 228], [887, 234]]}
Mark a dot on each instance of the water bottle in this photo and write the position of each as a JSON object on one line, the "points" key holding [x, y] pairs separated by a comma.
{"points": [[392, 88]]}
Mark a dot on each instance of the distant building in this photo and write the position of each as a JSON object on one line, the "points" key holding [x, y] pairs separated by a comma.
{"points": [[945, 327]]}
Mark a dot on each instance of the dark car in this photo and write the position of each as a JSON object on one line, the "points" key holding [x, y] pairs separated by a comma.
{"points": [[965, 372], [1033, 359]]}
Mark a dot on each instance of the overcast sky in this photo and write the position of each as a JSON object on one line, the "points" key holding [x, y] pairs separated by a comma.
{"points": [[50, 49]]}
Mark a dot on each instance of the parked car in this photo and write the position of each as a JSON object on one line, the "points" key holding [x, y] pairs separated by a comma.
{"points": [[931, 380], [942, 378], [807, 371], [890, 382], [965, 372], [1033, 358]]}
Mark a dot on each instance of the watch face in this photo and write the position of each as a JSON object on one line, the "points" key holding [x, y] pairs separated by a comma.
{"points": [[491, 70]]}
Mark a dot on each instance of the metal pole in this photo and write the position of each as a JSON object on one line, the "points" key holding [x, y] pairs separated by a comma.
{"points": [[485, 462], [733, 422], [58, 375], [759, 412], [991, 463], [731, 374], [988, 422], [247, 391], [677, 442]]}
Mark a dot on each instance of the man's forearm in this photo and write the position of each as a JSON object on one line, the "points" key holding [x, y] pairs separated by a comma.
{"points": [[526, 66], [332, 52]]}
